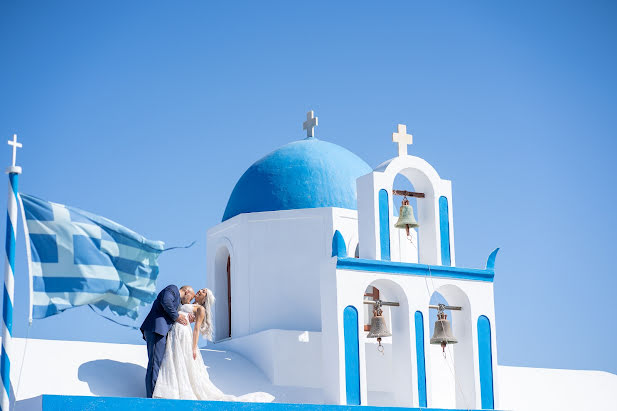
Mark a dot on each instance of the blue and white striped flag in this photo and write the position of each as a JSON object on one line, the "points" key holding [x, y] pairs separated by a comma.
{"points": [[79, 258]]}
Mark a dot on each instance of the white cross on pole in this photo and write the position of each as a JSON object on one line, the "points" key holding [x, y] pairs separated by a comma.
{"points": [[9, 280], [15, 145], [403, 139], [310, 123]]}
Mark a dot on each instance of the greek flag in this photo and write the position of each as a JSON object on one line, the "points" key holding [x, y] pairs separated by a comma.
{"points": [[77, 258]]}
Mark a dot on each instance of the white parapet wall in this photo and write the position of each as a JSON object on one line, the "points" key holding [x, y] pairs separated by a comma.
{"points": [[288, 358], [541, 389], [118, 370]]}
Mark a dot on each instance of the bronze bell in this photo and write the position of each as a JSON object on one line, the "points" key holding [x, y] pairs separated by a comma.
{"points": [[406, 219], [443, 330], [379, 328]]}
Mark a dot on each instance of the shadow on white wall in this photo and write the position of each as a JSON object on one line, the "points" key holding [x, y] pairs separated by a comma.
{"points": [[111, 378]]}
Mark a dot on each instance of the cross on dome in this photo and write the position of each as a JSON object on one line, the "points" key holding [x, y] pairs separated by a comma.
{"points": [[15, 145], [403, 139], [310, 123]]}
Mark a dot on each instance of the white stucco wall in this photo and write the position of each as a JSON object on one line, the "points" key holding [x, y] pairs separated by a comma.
{"points": [[288, 358], [541, 389], [104, 369], [118, 370], [275, 262]]}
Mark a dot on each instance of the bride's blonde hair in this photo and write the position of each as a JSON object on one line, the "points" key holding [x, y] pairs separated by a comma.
{"points": [[206, 325]]}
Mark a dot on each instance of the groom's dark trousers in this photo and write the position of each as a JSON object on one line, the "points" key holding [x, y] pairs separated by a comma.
{"points": [[162, 315]]}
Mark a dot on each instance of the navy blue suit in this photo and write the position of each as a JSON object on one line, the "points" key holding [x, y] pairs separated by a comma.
{"points": [[162, 315]]}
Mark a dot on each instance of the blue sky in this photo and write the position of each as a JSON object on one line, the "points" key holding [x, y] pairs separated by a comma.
{"points": [[147, 112]]}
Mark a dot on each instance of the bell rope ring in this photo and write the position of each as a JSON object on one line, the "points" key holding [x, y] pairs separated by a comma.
{"points": [[379, 346], [406, 218]]}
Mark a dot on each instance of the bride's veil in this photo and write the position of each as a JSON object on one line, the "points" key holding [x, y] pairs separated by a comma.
{"points": [[206, 325]]}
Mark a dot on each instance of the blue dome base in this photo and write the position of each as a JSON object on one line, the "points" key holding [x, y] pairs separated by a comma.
{"points": [[309, 173]]}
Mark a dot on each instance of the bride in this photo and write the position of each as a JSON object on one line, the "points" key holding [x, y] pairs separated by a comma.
{"points": [[183, 374]]}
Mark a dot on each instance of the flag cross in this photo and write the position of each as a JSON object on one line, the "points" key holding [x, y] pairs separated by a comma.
{"points": [[64, 234]]}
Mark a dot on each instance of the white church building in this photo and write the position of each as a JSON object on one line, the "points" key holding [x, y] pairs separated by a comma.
{"points": [[306, 248]]}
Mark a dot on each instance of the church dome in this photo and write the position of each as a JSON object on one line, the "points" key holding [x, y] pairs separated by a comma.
{"points": [[309, 173]]}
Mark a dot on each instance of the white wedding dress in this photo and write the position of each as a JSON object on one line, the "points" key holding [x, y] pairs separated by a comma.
{"points": [[185, 378]]}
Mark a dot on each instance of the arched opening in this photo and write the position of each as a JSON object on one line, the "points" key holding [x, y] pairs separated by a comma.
{"points": [[419, 177], [406, 247], [371, 198], [452, 375], [389, 374], [222, 285]]}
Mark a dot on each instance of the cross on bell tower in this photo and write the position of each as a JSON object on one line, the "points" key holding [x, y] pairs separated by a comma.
{"points": [[310, 123], [403, 139]]}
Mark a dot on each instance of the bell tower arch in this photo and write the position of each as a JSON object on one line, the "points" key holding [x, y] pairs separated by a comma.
{"points": [[436, 241]]}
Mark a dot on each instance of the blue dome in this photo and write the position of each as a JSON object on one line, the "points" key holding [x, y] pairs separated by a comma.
{"points": [[309, 173]]}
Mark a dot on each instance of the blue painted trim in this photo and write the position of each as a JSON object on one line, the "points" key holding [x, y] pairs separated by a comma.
{"points": [[444, 230], [75, 402], [419, 319], [377, 266], [384, 225], [7, 311], [490, 263], [352, 355], [5, 365], [485, 356], [9, 245], [338, 245]]}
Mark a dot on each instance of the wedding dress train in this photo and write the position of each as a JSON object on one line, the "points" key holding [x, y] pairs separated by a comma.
{"points": [[185, 378]]}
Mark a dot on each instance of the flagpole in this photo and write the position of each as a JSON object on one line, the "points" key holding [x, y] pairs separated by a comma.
{"points": [[9, 278]]}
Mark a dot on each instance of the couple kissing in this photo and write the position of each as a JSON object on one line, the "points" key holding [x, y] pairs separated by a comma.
{"points": [[176, 369]]}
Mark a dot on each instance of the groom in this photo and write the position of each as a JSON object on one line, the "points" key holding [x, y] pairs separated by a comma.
{"points": [[157, 324]]}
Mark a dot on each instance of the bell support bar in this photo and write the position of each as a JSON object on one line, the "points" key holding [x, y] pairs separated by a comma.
{"points": [[383, 303], [436, 307], [445, 307], [405, 193]]}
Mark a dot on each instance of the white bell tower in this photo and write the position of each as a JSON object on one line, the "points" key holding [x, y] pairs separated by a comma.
{"points": [[375, 205]]}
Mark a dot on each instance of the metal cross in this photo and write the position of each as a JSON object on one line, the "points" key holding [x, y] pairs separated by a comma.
{"points": [[15, 145], [403, 139], [310, 123]]}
